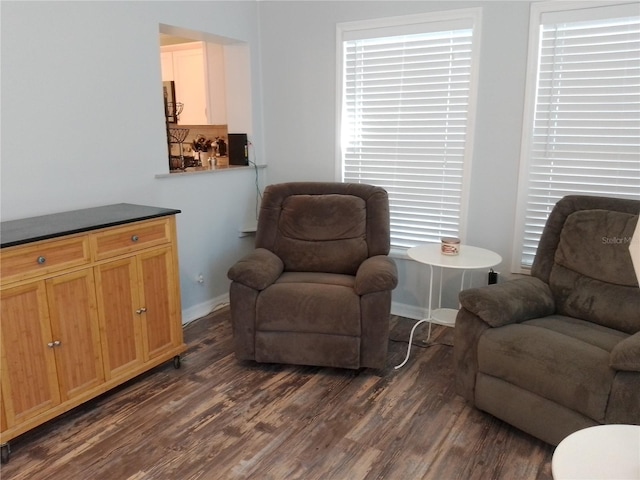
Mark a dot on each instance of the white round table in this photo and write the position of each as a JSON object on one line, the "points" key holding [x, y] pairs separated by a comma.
{"points": [[469, 258], [600, 452]]}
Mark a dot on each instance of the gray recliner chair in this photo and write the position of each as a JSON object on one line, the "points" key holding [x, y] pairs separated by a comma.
{"points": [[560, 350], [317, 288]]}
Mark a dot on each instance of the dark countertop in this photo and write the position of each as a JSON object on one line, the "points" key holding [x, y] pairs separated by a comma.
{"points": [[27, 230]]}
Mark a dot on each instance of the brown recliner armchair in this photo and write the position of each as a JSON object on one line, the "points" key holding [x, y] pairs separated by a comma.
{"points": [[560, 350], [317, 288]]}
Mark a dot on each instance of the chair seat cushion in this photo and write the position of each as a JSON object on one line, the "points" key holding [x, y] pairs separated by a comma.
{"points": [[318, 277], [591, 333], [310, 307], [563, 359]]}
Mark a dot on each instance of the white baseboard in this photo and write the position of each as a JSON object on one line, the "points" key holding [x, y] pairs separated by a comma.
{"points": [[203, 309], [409, 311]]}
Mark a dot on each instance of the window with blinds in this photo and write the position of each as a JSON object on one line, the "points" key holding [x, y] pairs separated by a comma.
{"points": [[407, 105], [583, 134]]}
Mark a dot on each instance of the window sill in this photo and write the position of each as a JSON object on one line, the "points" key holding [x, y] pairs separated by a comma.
{"points": [[399, 252], [207, 170]]}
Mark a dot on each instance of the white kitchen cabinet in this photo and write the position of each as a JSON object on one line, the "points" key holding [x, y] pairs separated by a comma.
{"points": [[216, 81], [166, 63], [189, 78], [197, 68]]}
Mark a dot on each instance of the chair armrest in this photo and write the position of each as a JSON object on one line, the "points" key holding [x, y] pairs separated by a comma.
{"points": [[510, 302], [626, 354], [376, 274], [257, 270]]}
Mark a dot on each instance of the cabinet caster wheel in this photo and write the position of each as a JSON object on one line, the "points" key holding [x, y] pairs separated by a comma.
{"points": [[5, 453], [176, 361]]}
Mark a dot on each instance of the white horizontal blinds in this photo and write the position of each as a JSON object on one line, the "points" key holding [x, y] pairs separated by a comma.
{"points": [[405, 111], [586, 131]]}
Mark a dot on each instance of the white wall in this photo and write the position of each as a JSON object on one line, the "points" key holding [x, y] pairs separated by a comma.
{"points": [[298, 42], [83, 124]]}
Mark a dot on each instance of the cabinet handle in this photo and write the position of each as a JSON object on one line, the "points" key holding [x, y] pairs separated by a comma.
{"points": [[140, 311], [135, 238], [55, 343], [41, 260]]}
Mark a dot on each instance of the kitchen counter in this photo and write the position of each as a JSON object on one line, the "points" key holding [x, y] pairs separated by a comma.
{"points": [[33, 229], [204, 170]]}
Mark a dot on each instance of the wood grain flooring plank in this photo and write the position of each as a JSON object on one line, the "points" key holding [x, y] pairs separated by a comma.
{"points": [[217, 418]]}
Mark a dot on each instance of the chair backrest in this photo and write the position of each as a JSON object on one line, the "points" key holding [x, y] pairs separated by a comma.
{"points": [[584, 257], [324, 226]]}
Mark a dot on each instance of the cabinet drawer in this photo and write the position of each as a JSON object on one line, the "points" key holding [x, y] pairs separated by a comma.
{"points": [[130, 238], [41, 258]]}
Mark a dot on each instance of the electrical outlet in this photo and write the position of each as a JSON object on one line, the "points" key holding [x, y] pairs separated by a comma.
{"points": [[200, 278]]}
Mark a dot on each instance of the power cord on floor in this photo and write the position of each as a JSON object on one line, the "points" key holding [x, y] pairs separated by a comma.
{"points": [[421, 344], [254, 164], [215, 308]]}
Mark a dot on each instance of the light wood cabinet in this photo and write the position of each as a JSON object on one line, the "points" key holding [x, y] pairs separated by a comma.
{"points": [[134, 326], [154, 268], [29, 380], [74, 333], [43, 258], [83, 313], [120, 325]]}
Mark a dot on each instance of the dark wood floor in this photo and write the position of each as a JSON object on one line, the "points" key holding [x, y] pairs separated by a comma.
{"points": [[217, 418]]}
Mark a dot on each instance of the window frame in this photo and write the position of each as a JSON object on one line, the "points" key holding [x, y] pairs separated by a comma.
{"points": [[538, 9], [447, 18]]}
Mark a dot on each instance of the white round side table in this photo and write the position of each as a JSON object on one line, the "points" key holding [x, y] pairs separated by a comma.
{"points": [[600, 452], [469, 258]]}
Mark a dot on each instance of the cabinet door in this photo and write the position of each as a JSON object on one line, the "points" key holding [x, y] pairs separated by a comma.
{"points": [[75, 332], [216, 84], [166, 64], [188, 74], [28, 369], [160, 321], [120, 325], [3, 417]]}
